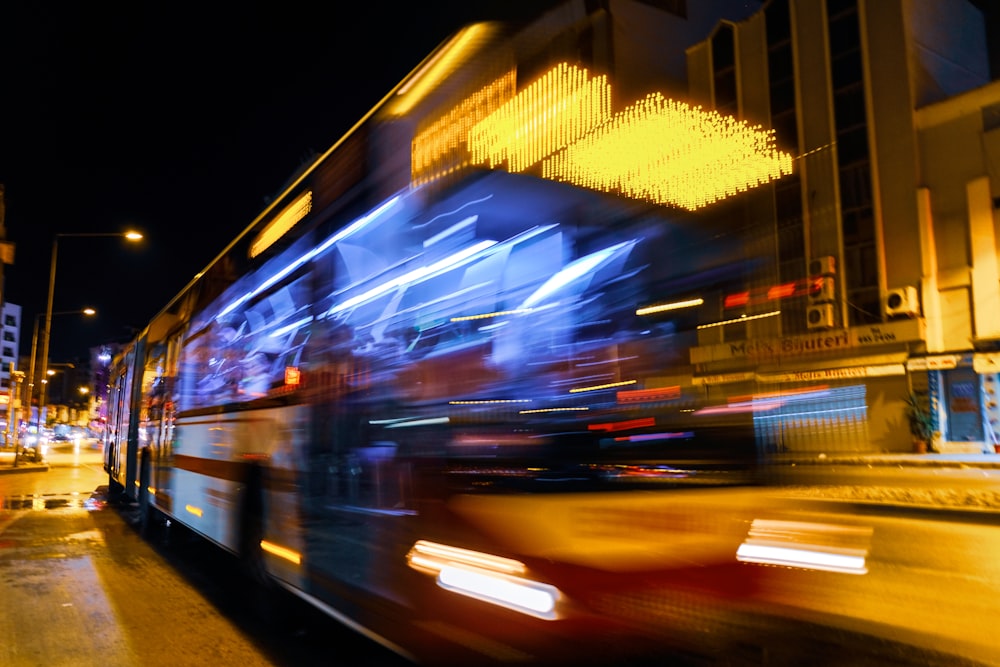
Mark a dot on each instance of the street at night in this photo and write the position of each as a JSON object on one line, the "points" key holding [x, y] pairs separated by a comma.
{"points": [[552, 333], [82, 587]]}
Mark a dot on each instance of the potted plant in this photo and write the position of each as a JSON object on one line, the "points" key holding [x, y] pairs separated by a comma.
{"points": [[921, 423]]}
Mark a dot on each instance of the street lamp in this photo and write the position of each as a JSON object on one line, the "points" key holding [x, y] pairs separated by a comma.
{"points": [[47, 333], [34, 346]]}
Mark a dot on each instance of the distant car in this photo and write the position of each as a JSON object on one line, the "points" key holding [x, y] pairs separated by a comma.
{"points": [[60, 437]]}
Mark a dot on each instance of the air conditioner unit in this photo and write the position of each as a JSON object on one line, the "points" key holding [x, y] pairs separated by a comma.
{"points": [[823, 290], [820, 316], [823, 266], [902, 302]]}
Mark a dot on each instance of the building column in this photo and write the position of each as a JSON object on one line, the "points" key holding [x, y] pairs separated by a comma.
{"points": [[985, 273]]}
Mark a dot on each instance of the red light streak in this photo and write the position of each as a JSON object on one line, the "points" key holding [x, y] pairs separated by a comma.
{"points": [[647, 395], [781, 291], [737, 300], [801, 287], [623, 426]]}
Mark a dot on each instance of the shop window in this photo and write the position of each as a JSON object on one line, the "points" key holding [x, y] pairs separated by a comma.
{"points": [[962, 403]]}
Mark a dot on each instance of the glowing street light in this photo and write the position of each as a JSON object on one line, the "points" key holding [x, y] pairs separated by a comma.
{"points": [[47, 331]]}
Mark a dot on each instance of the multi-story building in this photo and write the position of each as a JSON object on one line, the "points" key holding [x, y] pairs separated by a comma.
{"points": [[891, 214], [10, 333]]}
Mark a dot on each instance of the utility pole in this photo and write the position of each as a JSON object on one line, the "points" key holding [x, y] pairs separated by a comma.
{"points": [[14, 410]]}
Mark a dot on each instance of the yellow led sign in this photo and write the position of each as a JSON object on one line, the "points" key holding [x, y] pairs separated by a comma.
{"points": [[558, 108], [671, 153], [440, 147], [289, 216], [657, 149]]}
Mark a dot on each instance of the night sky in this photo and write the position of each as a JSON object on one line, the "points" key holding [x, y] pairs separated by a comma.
{"points": [[180, 121]]}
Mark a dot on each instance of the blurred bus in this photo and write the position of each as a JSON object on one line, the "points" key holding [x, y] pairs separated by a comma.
{"points": [[446, 396]]}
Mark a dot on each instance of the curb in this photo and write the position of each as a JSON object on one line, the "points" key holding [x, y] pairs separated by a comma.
{"points": [[989, 462], [24, 467]]}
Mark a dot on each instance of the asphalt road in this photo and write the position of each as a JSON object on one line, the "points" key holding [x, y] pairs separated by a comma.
{"points": [[78, 586]]}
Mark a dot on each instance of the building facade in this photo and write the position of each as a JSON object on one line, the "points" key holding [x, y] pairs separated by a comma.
{"points": [[10, 338], [891, 214]]}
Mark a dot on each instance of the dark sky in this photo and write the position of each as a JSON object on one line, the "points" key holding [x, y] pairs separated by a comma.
{"points": [[179, 120]]}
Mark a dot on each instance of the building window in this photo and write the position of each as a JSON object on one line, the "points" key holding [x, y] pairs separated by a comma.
{"points": [[724, 70], [854, 162], [10, 321], [787, 192], [8, 352], [8, 336]]}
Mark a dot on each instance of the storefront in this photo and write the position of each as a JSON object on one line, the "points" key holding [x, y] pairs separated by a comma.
{"points": [[838, 391]]}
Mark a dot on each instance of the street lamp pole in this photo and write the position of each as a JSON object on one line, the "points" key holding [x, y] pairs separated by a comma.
{"points": [[47, 332]]}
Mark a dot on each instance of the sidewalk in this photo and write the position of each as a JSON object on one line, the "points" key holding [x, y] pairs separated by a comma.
{"points": [[7, 464], [63, 454]]}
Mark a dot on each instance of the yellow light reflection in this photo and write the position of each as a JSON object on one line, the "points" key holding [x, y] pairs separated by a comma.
{"points": [[193, 510], [649, 310], [289, 216], [485, 577], [558, 108], [440, 147], [669, 152], [597, 387], [522, 595], [807, 545], [439, 67], [433, 556], [281, 552], [498, 313], [737, 320], [657, 149]]}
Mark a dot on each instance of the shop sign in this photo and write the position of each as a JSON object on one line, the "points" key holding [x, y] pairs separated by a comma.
{"points": [[936, 363], [723, 378], [853, 372], [899, 331], [986, 363]]}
